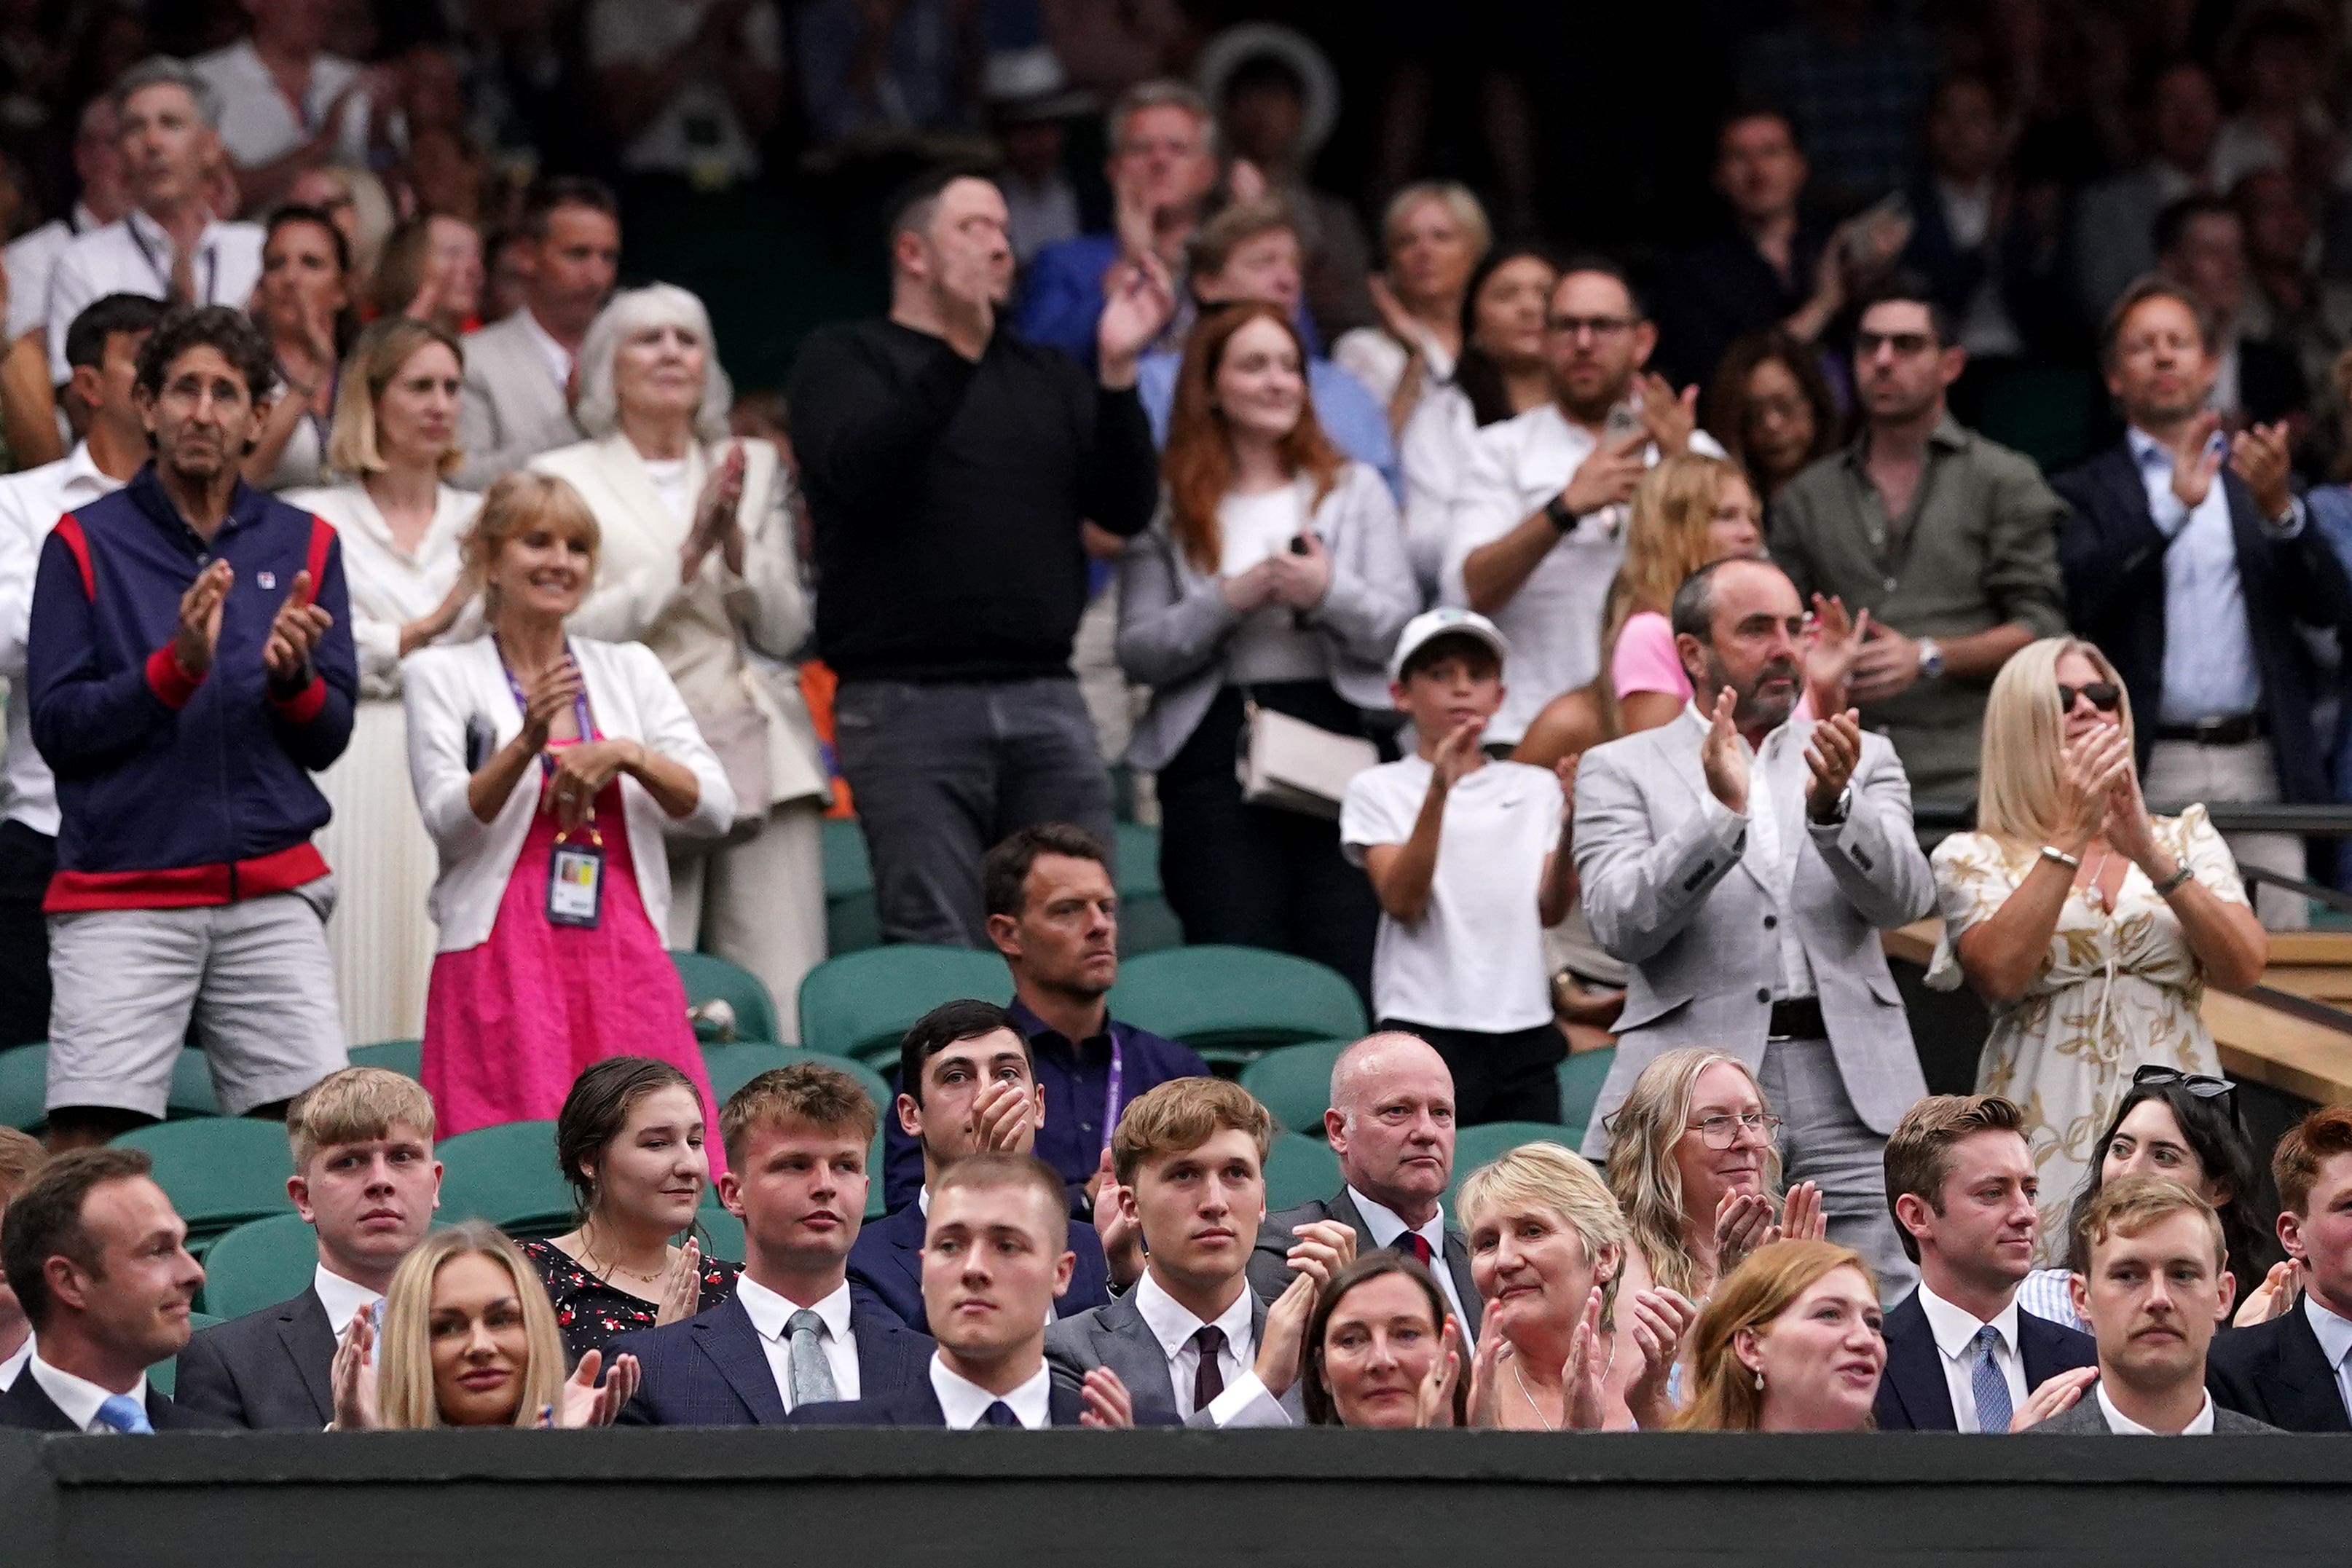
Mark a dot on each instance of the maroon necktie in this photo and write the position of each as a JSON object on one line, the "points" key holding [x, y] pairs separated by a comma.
{"points": [[1414, 1242], [1209, 1378]]}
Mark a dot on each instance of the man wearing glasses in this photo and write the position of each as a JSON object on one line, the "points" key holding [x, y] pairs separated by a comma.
{"points": [[1948, 539]]}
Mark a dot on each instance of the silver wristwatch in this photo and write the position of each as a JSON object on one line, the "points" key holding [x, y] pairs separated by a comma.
{"points": [[1931, 659]]}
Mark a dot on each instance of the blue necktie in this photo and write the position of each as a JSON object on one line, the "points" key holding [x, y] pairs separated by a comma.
{"points": [[1989, 1387], [125, 1414], [999, 1414]]}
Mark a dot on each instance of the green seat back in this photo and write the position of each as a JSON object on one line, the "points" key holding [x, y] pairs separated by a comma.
{"points": [[860, 1004], [1236, 1003], [165, 1373], [732, 1066], [722, 1233], [1582, 1074], [192, 1087], [259, 1264], [710, 978], [1293, 1081], [406, 1057], [24, 1087], [1299, 1168], [1480, 1146], [852, 923], [218, 1171], [506, 1175]]}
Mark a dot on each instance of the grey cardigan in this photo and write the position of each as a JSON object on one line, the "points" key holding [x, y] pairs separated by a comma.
{"points": [[1174, 623]]}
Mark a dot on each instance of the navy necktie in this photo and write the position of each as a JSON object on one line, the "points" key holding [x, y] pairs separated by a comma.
{"points": [[999, 1414]]}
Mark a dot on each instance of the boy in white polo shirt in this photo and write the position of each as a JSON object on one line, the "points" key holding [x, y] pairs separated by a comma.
{"points": [[1468, 857]]}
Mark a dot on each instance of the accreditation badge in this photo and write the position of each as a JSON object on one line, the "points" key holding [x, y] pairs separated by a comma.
{"points": [[575, 880]]}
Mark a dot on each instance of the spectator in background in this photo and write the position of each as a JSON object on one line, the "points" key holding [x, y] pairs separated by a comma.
{"points": [[186, 892], [519, 371], [1383, 1350], [1537, 527], [287, 105], [949, 466], [2188, 561], [1771, 409], [506, 278], [360, 206], [2290, 1370], [103, 347], [1948, 539], [876, 75], [525, 747], [1249, 255], [2277, 59], [1793, 1341], [21, 1156], [697, 562], [1162, 166], [1853, 83], [1029, 107], [1053, 913], [630, 1143], [2114, 218], [1112, 49], [1435, 234], [304, 303], [1501, 374], [2288, 305], [400, 522], [103, 197], [170, 245], [692, 87], [366, 1182], [431, 271], [1274, 577], [2200, 250]]}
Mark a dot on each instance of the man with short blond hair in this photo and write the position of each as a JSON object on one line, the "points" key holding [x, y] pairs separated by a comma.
{"points": [[2296, 1370]]}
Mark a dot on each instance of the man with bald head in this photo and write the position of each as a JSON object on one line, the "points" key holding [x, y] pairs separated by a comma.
{"points": [[1390, 1122]]}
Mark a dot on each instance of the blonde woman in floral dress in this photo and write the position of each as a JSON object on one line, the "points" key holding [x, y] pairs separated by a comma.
{"points": [[2089, 927]]}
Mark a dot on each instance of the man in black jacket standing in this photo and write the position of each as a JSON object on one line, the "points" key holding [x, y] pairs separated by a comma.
{"points": [[949, 466], [2189, 561]]}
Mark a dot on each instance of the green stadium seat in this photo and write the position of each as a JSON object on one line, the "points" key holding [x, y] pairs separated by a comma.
{"points": [[506, 1175], [860, 1004], [24, 1087], [192, 1087], [852, 922], [732, 1066], [259, 1264], [1582, 1074], [165, 1373], [1145, 923], [710, 978], [1483, 1145], [1234, 1004], [722, 1234], [1299, 1168], [218, 1171], [406, 1057], [1295, 1083]]}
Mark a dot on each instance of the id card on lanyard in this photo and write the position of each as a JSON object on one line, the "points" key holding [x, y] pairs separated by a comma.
{"points": [[164, 274], [575, 879]]}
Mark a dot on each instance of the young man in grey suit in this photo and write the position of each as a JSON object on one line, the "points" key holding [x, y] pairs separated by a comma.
{"points": [[1192, 1342], [1390, 1122], [2158, 1284], [1742, 864]]}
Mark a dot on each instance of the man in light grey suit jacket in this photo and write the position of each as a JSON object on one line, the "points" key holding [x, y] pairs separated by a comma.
{"points": [[515, 401], [1756, 931]]}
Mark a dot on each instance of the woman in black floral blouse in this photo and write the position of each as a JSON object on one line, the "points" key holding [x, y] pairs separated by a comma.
{"points": [[630, 1142]]}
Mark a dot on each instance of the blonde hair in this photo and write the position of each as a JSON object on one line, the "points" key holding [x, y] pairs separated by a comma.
{"points": [[1724, 1395], [513, 504], [356, 1105], [1642, 1171], [1456, 198], [1548, 1177], [1665, 542], [2128, 1205], [21, 1157], [405, 1394], [629, 312], [2024, 732], [375, 360], [1180, 1115], [811, 1093]]}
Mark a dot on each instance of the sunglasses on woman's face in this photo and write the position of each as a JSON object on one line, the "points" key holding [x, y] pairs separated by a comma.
{"points": [[2203, 1085], [2102, 694]]}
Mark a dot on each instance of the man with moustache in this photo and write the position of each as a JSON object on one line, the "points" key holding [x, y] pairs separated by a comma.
{"points": [[1742, 865]]}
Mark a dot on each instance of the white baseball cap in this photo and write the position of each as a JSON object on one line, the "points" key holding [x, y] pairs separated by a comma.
{"points": [[1444, 623]]}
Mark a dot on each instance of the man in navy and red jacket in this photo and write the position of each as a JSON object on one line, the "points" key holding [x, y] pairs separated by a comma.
{"points": [[189, 667]]}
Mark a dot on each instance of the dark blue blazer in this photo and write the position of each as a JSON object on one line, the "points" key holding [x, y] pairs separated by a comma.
{"points": [[2276, 1372], [886, 1266], [712, 1370], [1913, 1395], [27, 1405], [917, 1405]]}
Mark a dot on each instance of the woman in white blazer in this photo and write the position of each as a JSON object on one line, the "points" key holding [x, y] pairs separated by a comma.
{"points": [[698, 564], [549, 769], [395, 435]]}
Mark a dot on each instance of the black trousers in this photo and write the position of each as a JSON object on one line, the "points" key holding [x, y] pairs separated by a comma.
{"points": [[1257, 875], [26, 860], [1497, 1077]]}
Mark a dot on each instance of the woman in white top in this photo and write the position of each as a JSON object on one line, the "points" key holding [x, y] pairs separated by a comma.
{"points": [[396, 434], [1275, 577], [1436, 234], [303, 303], [699, 565]]}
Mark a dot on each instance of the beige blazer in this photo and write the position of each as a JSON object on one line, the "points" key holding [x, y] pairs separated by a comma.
{"points": [[509, 409]]}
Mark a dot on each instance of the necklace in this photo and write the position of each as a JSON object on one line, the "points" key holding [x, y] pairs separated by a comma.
{"points": [[588, 1257], [2092, 890], [1520, 1378]]}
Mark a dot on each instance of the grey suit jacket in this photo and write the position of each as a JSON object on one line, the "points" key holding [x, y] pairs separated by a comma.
{"points": [[1269, 1264], [1117, 1336], [1665, 890], [2083, 1419], [510, 410]]}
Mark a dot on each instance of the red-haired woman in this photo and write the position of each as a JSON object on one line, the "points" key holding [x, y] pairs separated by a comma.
{"points": [[1274, 576]]}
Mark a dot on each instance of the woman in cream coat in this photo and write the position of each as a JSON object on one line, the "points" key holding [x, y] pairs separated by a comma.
{"points": [[699, 565]]}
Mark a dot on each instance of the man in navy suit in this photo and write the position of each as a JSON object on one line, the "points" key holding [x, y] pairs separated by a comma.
{"points": [[2295, 1372], [995, 1255], [1961, 1355], [791, 1334], [970, 1085], [99, 1263]]}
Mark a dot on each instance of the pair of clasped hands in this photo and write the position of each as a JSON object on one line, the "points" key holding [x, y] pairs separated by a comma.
{"points": [[294, 632]]}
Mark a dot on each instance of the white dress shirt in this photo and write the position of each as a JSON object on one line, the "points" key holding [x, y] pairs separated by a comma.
{"points": [[78, 1398], [390, 587], [554, 355], [1775, 772], [1955, 1329], [29, 259], [2199, 1425], [134, 256], [1386, 1225], [1244, 1402], [259, 124], [771, 1316], [343, 1299], [30, 505], [2335, 1336], [964, 1402], [15, 1364]]}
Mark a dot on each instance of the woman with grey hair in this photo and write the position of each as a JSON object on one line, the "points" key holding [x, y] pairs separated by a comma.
{"points": [[699, 565]]}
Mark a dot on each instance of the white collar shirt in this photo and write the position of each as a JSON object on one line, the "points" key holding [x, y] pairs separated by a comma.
{"points": [[772, 1317], [343, 1299], [964, 1402], [1173, 1325], [2335, 1335], [2199, 1425], [554, 355], [134, 256], [2212, 673], [1386, 1226], [15, 1364], [1956, 1330], [1776, 774], [30, 505], [76, 1398]]}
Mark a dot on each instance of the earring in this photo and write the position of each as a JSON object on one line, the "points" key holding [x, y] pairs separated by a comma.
{"points": [[1760, 1380]]}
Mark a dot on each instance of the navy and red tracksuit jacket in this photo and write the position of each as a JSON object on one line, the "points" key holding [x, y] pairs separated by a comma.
{"points": [[179, 792]]}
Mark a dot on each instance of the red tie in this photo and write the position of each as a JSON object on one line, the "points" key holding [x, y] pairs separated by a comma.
{"points": [[1414, 1242]]}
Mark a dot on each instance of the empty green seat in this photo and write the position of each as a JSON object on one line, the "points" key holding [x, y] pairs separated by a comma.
{"points": [[406, 1057], [852, 923], [1145, 923], [1234, 1004], [1476, 1146], [732, 1066], [218, 1171], [1295, 1083], [165, 1373], [860, 1004], [1299, 1168], [710, 978], [722, 1233], [1582, 1074], [506, 1175], [192, 1087], [259, 1264], [24, 1087]]}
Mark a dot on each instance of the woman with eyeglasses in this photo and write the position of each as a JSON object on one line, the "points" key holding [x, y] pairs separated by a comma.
{"points": [[2090, 928]]}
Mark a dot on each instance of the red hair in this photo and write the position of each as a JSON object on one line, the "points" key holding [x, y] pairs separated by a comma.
{"points": [[1198, 464]]}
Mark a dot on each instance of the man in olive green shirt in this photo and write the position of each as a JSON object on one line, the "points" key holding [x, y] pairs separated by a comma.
{"points": [[1948, 539]]}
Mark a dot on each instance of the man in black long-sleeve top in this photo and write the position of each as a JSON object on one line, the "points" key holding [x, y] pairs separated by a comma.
{"points": [[949, 466]]}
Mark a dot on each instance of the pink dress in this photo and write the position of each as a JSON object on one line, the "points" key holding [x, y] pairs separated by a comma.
{"points": [[509, 1024]]}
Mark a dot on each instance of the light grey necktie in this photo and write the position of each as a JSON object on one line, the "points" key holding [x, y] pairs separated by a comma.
{"points": [[812, 1373]]}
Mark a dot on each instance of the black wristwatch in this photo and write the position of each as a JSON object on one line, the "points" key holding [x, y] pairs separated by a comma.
{"points": [[1556, 509]]}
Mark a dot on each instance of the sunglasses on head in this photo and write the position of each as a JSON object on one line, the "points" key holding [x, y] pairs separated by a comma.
{"points": [[2203, 1085], [2104, 695]]}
